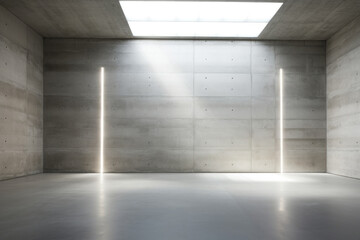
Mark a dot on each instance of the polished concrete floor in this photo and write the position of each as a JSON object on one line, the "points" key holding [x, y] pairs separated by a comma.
{"points": [[180, 206]]}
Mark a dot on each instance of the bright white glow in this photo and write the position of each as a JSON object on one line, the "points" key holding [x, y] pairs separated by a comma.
{"points": [[102, 120], [189, 11], [188, 18], [196, 29], [281, 124]]}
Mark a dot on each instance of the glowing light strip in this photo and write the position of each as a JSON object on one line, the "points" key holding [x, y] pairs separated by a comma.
{"points": [[101, 120], [281, 124]]}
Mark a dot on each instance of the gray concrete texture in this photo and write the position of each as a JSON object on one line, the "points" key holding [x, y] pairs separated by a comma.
{"points": [[21, 98], [184, 106], [343, 101]]}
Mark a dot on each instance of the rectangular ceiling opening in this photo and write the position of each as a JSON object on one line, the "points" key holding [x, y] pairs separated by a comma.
{"points": [[198, 19]]}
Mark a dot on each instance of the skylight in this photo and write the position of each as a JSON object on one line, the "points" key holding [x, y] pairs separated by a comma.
{"points": [[198, 19]]}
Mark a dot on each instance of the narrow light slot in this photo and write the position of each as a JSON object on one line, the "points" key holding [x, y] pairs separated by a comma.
{"points": [[281, 124], [102, 120]]}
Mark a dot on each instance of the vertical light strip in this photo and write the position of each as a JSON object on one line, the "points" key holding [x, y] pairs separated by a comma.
{"points": [[102, 120], [281, 124]]}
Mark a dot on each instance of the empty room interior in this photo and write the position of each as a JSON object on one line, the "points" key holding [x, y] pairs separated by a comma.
{"points": [[179, 120]]}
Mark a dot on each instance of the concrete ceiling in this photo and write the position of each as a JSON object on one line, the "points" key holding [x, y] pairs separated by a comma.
{"points": [[296, 20]]}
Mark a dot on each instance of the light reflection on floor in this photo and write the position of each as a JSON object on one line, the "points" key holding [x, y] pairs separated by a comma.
{"points": [[180, 206]]}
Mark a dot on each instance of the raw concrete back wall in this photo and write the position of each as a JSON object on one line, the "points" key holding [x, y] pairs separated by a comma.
{"points": [[21, 98], [184, 106], [343, 101]]}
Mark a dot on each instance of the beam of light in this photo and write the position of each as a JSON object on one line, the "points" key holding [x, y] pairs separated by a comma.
{"points": [[157, 57], [281, 124], [102, 120]]}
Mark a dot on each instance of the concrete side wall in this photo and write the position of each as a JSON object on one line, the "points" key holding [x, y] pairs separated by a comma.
{"points": [[184, 106], [21, 98], [343, 101]]}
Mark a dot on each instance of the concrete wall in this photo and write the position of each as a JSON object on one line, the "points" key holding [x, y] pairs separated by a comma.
{"points": [[184, 106], [21, 98], [343, 101]]}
